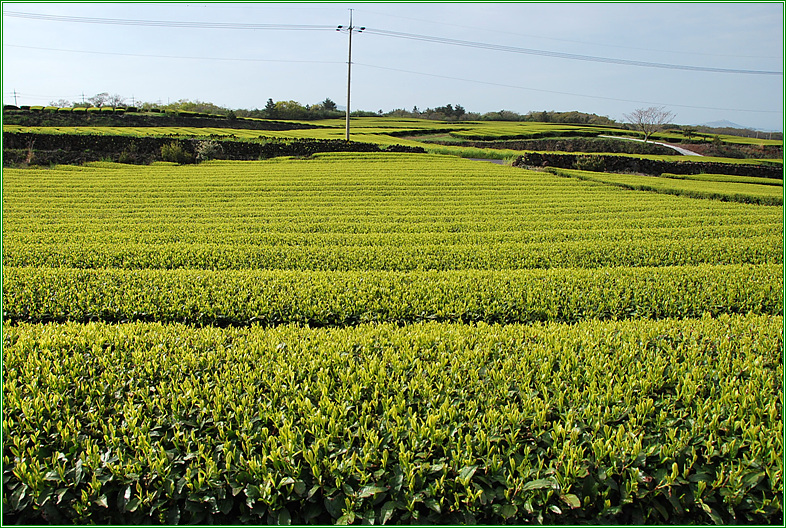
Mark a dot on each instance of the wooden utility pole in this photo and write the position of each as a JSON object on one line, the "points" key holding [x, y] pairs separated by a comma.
{"points": [[349, 30]]}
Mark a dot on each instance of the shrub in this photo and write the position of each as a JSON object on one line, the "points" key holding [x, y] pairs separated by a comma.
{"points": [[130, 154], [175, 152], [208, 150], [590, 163]]}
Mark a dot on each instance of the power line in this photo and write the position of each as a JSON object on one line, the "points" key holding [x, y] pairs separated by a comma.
{"points": [[177, 57], [560, 55], [565, 93], [147, 56], [39, 96], [583, 43], [163, 23], [392, 34], [410, 36]]}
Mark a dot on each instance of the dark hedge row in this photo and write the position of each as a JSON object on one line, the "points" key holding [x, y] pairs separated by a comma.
{"points": [[78, 148], [601, 163], [27, 118], [571, 145], [534, 135]]}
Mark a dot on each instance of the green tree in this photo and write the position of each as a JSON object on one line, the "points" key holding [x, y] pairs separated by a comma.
{"points": [[291, 110], [329, 105], [270, 109]]}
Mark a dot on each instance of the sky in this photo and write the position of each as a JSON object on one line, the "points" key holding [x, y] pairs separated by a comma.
{"points": [[704, 62]]}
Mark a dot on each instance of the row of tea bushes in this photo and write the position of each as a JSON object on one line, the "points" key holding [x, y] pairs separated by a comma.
{"points": [[706, 188], [673, 421], [273, 297]]}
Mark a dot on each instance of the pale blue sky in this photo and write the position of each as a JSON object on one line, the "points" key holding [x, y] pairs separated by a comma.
{"points": [[48, 60]]}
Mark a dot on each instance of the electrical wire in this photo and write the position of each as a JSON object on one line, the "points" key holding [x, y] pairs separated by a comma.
{"points": [[571, 41], [563, 93], [385, 33], [164, 23], [560, 55], [40, 96], [391, 34], [488, 83], [146, 56]]}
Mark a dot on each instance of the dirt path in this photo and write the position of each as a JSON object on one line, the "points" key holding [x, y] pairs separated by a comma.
{"points": [[683, 151], [497, 161]]}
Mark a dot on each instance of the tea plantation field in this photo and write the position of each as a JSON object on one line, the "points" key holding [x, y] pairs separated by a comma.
{"points": [[382, 338]]}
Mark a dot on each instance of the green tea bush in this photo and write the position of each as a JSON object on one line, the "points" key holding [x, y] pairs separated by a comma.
{"points": [[338, 339], [175, 153], [639, 422], [349, 298]]}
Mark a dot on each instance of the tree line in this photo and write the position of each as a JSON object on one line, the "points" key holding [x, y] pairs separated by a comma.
{"points": [[327, 109], [648, 120], [272, 110]]}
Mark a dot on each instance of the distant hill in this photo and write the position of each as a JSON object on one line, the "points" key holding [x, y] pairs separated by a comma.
{"points": [[724, 123], [725, 126]]}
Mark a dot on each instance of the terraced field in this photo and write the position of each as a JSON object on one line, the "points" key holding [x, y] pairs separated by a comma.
{"points": [[764, 191], [386, 338]]}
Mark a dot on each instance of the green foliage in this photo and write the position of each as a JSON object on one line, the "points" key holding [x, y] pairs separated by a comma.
{"points": [[590, 163], [344, 212], [695, 188], [130, 154], [162, 361], [573, 117], [724, 178], [175, 153], [241, 297], [614, 422], [657, 165]]}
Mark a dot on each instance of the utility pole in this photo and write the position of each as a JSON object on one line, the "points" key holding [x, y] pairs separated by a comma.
{"points": [[15, 97], [349, 30]]}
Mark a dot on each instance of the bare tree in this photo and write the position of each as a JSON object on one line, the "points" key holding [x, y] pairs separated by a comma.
{"points": [[116, 100], [99, 100], [62, 103], [649, 120]]}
